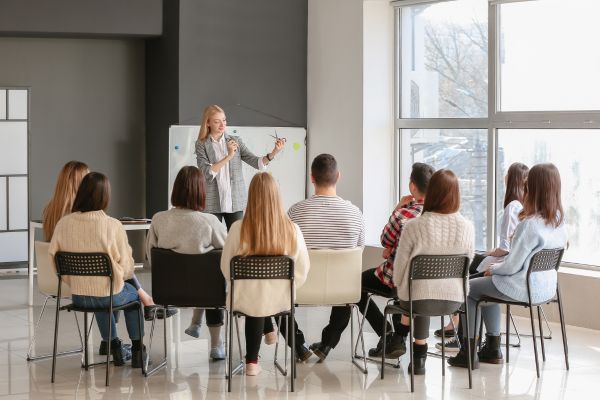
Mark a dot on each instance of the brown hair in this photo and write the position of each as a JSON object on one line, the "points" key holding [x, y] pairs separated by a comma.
{"points": [[206, 115], [189, 189], [421, 175], [543, 195], [60, 204], [266, 228], [443, 193], [324, 170], [516, 179], [93, 193]]}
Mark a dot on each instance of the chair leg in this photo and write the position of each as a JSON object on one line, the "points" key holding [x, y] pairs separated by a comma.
{"points": [[86, 361], [384, 342], [470, 356], [549, 336], [359, 337], [153, 324], [443, 348], [478, 342], [277, 342], [110, 317], [563, 328], [291, 333], [508, 318], [140, 325], [56, 320], [541, 334], [35, 329], [412, 360], [230, 351], [518, 344], [537, 364]]}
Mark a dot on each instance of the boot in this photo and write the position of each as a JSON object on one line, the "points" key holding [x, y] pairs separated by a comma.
{"points": [[139, 354], [419, 358], [490, 351], [120, 353], [461, 360]]}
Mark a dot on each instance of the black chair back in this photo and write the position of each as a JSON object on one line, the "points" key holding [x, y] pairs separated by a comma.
{"points": [[187, 280], [82, 264], [262, 267], [546, 260], [439, 267]]}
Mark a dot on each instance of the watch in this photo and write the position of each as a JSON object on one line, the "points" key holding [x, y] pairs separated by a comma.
{"points": [[269, 158]]}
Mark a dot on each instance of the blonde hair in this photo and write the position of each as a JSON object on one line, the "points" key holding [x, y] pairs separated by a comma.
{"points": [[204, 128], [266, 228], [60, 204]]}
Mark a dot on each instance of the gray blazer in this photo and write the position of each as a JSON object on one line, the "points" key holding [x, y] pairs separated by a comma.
{"points": [[205, 157]]}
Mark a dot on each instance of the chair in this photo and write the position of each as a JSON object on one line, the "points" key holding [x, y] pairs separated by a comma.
{"points": [[428, 267], [262, 267], [334, 279], [544, 260], [47, 283], [89, 264], [186, 280]]}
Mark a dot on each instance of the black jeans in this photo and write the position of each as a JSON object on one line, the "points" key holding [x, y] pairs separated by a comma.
{"points": [[477, 259], [299, 339], [340, 316], [254, 330], [229, 218]]}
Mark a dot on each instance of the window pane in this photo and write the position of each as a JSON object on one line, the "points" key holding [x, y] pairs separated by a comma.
{"points": [[580, 178], [17, 104], [14, 246], [554, 63], [2, 104], [17, 202], [13, 147], [464, 151], [444, 60]]}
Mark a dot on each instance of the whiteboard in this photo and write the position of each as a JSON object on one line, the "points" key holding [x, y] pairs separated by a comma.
{"points": [[288, 167]]}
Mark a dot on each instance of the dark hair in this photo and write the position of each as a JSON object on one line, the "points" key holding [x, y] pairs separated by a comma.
{"points": [[324, 170], [189, 189], [516, 179], [420, 176], [543, 194], [443, 193], [93, 193]]}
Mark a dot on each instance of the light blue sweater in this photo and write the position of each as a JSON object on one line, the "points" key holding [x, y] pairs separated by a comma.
{"points": [[510, 276]]}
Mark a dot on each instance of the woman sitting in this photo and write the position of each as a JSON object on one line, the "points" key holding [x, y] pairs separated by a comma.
{"points": [[265, 230], [440, 230], [186, 229], [89, 230], [541, 227]]}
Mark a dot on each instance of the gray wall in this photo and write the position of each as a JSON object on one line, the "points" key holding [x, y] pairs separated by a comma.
{"points": [[87, 103]]}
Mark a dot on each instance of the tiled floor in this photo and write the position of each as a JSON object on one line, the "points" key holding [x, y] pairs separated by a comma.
{"points": [[190, 375]]}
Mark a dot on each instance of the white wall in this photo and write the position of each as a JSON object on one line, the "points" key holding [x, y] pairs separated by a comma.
{"points": [[350, 100]]}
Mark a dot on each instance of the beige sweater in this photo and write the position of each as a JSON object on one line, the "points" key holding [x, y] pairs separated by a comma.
{"points": [[262, 298], [433, 234], [89, 232]]}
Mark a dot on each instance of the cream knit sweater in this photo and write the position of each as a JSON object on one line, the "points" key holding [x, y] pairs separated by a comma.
{"points": [[89, 232], [433, 234]]}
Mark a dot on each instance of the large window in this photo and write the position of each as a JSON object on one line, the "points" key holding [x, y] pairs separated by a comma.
{"points": [[483, 84]]}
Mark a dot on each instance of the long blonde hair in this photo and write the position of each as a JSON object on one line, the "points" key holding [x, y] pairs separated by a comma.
{"points": [[266, 228], [60, 204], [208, 113]]}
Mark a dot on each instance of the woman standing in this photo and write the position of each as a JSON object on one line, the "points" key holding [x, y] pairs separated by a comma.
{"points": [[265, 230], [219, 157]]}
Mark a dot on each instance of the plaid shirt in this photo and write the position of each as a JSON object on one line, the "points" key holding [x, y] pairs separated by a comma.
{"points": [[390, 236]]}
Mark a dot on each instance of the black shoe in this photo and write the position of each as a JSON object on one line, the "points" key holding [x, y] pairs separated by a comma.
{"points": [[377, 351], [120, 352], [160, 312], [461, 360], [490, 351], [419, 358], [303, 353], [320, 350], [139, 357], [103, 350], [395, 346], [447, 333]]}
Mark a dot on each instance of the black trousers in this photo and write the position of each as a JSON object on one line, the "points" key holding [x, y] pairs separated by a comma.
{"points": [[283, 329], [254, 330], [229, 218], [340, 316], [477, 259]]}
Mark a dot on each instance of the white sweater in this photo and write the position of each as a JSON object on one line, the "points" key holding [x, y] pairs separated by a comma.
{"points": [[94, 232], [262, 298], [432, 234]]}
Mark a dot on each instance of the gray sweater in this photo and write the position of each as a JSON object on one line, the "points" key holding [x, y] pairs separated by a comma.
{"points": [[185, 231]]}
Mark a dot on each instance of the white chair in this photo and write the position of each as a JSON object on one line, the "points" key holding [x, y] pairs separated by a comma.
{"points": [[334, 279], [47, 285]]}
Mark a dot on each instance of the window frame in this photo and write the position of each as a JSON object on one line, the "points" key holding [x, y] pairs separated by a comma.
{"points": [[496, 119]]}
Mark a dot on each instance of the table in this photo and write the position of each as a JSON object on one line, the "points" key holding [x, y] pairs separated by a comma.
{"points": [[33, 225]]}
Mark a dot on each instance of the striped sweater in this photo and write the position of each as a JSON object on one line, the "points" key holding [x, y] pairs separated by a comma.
{"points": [[329, 222]]}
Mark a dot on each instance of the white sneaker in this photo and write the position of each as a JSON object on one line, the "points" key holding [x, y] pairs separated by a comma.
{"points": [[193, 330], [271, 337], [253, 369], [451, 345]]}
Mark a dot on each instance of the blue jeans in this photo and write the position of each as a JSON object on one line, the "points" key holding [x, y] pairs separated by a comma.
{"points": [[132, 317], [480, 287]]}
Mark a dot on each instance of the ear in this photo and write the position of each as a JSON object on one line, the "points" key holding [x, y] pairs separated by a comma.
{"points": [[339, 175], [312, 179]]}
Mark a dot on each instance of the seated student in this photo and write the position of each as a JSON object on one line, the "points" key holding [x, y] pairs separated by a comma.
{"points": [[541, 227], [380, 279], [327, 222], [89, 230], [441, 229], [264, 230], [61, 203], [186, 229], [513, 204]]}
